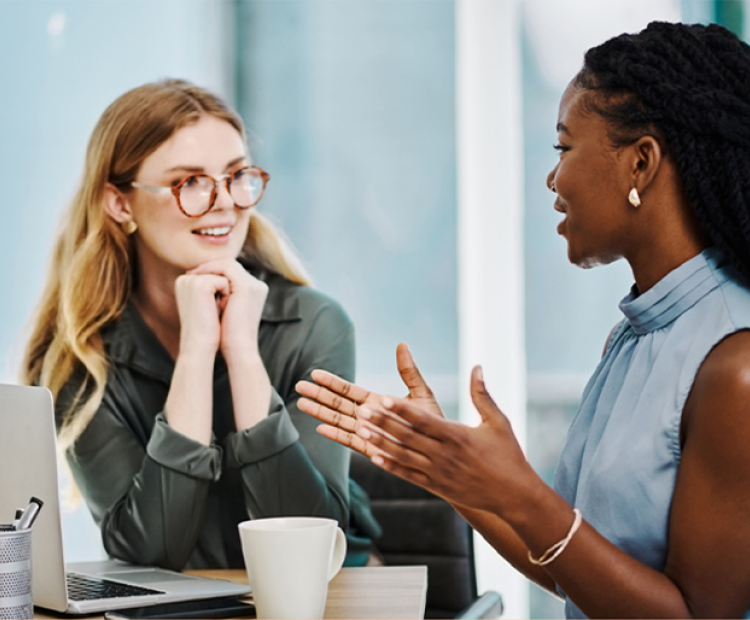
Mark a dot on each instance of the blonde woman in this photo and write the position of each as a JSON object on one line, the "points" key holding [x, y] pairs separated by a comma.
{"points": [[173, 327]]}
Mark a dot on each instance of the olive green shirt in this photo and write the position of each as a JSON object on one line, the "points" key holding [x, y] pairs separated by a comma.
{"points": [[163, 499]]}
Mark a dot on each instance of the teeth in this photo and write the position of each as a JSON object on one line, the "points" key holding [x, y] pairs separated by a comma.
{"points": [[214, 232]]}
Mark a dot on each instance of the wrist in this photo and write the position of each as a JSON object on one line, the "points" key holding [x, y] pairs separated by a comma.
{"points": [[528, 497], [245, 356], [195, 348], [540, 517], [195, 358]]}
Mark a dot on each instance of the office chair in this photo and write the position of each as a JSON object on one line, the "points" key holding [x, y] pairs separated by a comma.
{"points": [[421, 528]]}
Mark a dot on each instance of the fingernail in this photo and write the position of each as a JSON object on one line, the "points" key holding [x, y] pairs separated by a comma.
{"points": [[364, 433], [387, 402], [480, 374], [378, 460], [364, 412]]}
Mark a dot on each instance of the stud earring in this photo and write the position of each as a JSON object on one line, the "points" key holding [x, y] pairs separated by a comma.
{"points": [[633, 198], [129, 227]]}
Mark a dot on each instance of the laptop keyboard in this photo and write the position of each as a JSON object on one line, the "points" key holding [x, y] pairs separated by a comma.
{"points": [[82, 588]]}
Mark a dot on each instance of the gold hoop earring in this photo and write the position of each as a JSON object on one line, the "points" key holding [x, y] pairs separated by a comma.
{"points": [[633, 198], [129, 227]]}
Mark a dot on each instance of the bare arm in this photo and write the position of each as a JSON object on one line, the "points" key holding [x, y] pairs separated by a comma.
{"points": [[335, 401], [242, 304], [189, 405], [706, 572]]}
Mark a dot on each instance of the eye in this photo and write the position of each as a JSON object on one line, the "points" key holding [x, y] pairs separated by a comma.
{"points": [[239, 175], [190, 182], [560, 148]]}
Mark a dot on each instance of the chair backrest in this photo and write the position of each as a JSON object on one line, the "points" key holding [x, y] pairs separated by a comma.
{"points": [[421, 528]]}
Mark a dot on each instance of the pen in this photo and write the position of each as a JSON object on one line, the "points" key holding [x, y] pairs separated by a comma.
{"points": [[26, 520], [19, 512]]}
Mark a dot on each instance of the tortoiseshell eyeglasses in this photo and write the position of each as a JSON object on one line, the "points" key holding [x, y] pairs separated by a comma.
{"points": [[196, 194]]}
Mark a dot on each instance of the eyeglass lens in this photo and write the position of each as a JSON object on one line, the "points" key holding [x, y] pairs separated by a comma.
{"points": [[245, 188]]}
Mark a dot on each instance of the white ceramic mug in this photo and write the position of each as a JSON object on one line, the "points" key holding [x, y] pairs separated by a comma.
{"points": [[289, 562]]}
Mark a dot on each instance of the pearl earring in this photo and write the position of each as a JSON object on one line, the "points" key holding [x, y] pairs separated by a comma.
{"points": [[634, 198]]}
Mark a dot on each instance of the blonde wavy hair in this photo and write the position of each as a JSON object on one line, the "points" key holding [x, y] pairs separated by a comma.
{"points": [[93, 261]]}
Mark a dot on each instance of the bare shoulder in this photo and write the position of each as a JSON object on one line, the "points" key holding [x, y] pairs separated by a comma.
{"points": [[708, 540], [720, 398]]}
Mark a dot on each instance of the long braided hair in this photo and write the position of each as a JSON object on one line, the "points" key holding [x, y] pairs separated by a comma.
{"points": [[688, 86]]}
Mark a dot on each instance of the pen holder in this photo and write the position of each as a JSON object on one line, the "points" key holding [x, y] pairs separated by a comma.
{"points": [[15, 573]]}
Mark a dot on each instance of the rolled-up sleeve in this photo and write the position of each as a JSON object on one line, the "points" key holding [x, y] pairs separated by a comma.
{"points": [[149, 503], [264, 440], [287, 467]]}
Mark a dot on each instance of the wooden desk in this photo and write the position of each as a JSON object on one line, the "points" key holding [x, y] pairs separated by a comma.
{"points": [[366, 593], [369, 593]]}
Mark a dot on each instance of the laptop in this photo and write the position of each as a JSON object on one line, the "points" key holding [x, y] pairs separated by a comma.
{"points": [[28, 467]]}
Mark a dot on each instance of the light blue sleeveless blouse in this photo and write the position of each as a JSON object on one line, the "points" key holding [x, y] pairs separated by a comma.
{"points": [[620, 458]]}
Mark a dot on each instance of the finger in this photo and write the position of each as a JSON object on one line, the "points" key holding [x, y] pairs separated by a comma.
{"points": [[405, 454], [481, 398], [229, 269], [225, 268], [340, 386], [397, 431], [329, 416], [394, 467], [426, 423], [226, 282], [215, 284], [410, 374], [327, 398], [350, 440]]}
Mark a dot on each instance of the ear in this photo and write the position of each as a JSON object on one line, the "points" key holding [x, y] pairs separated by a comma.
{"points": [[116, 205], [645, 158]]}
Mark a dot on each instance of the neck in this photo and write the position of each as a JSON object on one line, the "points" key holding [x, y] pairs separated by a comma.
{"points": [[669, 244], [155, 300]]}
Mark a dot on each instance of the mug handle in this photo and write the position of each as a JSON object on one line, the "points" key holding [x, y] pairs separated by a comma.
{"points": [[339, 554]]}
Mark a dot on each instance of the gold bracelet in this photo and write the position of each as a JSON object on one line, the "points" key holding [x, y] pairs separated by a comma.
{"points": [[555, 550]]}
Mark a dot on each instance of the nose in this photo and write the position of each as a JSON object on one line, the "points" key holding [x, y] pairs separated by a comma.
{"points": [[551, 180], [223, 198]]}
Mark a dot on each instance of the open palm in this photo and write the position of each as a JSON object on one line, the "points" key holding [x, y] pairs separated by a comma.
{"points": [[334, 401]]}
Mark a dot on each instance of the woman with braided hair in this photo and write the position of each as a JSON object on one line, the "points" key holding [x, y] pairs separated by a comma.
{"points": [[650, 512]]}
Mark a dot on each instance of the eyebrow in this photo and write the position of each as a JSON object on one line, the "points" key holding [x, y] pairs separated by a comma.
{"points": [[560, 127], [231, 164]]}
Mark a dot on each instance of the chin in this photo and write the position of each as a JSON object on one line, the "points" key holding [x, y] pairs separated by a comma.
{"points": [[200, 258], [589, 261]]}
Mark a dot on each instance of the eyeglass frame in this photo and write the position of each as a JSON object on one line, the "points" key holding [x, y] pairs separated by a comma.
{"points": [[177, 188]]}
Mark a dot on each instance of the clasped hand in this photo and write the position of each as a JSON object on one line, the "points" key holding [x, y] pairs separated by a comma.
{"points": [[220, 305], [479, 467]]}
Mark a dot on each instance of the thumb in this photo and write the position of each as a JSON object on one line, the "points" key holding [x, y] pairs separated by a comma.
{"points": [[410, 374], [481, 398]]}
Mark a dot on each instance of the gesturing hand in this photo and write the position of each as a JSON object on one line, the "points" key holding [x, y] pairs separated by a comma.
{"points": [[482, 467], [335, 401], [241, 304]]}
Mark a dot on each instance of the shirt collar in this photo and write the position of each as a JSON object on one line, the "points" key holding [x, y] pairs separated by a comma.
{"points": [[281, 303], [678, 291]]}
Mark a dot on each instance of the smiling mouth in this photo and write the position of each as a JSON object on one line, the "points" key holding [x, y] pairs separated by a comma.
{"points": [[213, 232], [558, 207]]}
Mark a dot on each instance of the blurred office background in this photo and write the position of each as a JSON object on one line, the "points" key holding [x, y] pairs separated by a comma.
{"points": [[369, 116]]}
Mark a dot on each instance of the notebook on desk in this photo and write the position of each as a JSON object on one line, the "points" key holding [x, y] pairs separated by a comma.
{"points": [[28, 467]]}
